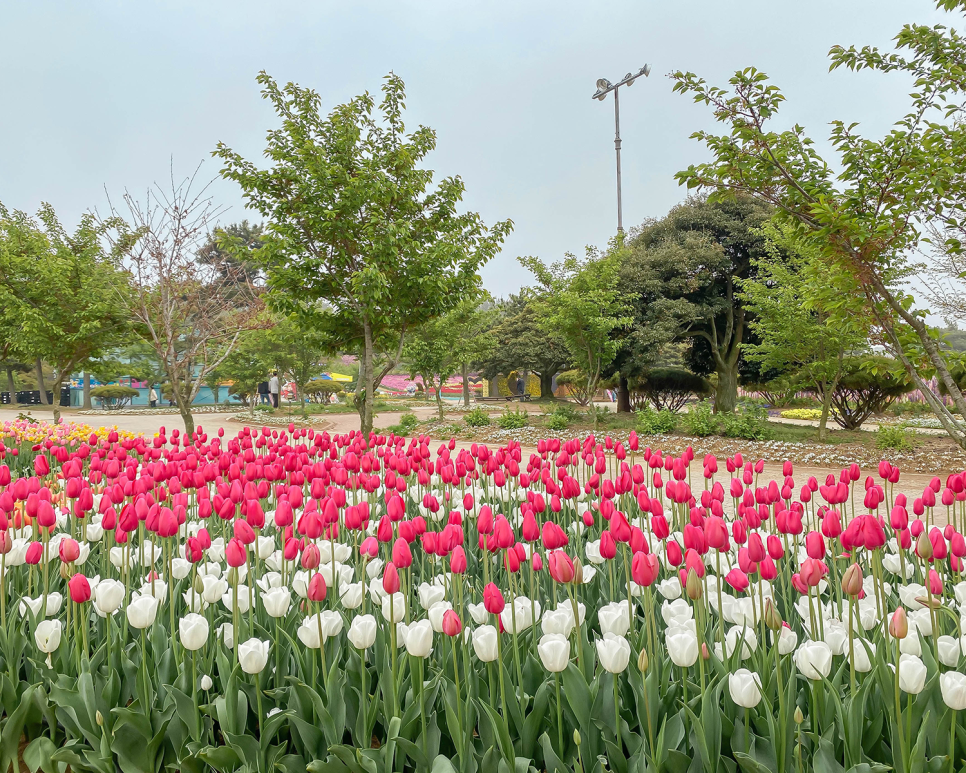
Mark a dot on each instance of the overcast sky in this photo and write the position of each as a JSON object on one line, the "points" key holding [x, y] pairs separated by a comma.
{"points": [[100, 93]]}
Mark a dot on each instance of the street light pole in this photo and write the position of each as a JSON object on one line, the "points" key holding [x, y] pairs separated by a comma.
{"points": [[604, 87]]}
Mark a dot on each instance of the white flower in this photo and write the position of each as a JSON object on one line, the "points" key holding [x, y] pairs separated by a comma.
{"points": [[156, 588], [614, 618], [108, 596], [419, 639], [226, 632], [912, 674], [362, 632], [682, 647], [952, 684], [593, 552], [206, 683], [863, 652], [909, 593], [394, 608], [193, 601], [745, 688], [351, 595], [485, 643], [277, 601], [748, 639], [523, 610], [949, 651], [253, 655], [614, 652], [814, 659], [193, 631], [142, 611], [430, 595], [213, 588], [557, 621], [180, 568], [670, 588], [677, 611], [48, 635], [554, 652], [837, 638], [478, 613], [245, 597]]}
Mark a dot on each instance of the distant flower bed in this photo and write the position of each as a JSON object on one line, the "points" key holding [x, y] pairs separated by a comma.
{"points": [[807, 414]]}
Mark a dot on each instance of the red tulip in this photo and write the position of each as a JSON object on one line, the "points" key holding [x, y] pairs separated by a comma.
{"points": [[493, 600], [235, 552], [80, 589], [390, 579]]}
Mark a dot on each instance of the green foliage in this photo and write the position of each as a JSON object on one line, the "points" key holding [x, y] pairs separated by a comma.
{"points": [[895, 437], [699, 421], [407, 423], [360, 245], [807, 414], [114, 395], [513, 419], [576, 384], [651, 422], [868, 386], [747, 423], [478, 417], [558, 421], [668, 389], [322, 388]]}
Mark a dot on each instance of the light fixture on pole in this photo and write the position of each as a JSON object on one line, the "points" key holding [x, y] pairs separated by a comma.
{"points": [[604, 87]]}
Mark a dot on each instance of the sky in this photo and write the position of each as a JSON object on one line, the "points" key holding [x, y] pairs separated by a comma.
{"points": [[101, 97]]}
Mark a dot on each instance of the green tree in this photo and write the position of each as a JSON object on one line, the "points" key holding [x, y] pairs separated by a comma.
{"points": [[807, 317], [229, 249], [359, 245], [686, 268], [582, 302], [522, 342], [65, 290], [866, 210]]}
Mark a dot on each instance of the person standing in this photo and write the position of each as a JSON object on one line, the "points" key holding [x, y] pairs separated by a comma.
{"points": [[274, 389], [152, 397]]}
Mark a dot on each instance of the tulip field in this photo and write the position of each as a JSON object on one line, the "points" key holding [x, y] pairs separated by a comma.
{"points": [[294, 600]]}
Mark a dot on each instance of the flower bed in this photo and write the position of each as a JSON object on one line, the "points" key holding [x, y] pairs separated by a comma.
{"points": [[294, 600]]}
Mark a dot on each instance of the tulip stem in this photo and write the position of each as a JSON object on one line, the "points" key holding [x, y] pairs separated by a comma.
{"points": [[144, 670], [617, 716], [365, 698], [560, 743], [459, 703], [952, 741], [258, 698]]}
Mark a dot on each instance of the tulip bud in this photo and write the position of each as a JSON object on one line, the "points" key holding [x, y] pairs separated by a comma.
{"points": [[852, 580], [64, 572], [771, 617], [924, 547], [705, 652], [578, 572], [643, 662], [899, 624], [799, 717], [576, 737], [198, 585], [693, 586], [99, 718]]}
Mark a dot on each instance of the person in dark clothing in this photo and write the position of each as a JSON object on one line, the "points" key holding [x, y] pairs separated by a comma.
{"points": [[263, 393], [521, 386]]}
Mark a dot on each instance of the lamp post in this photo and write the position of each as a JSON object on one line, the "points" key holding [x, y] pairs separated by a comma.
{"points": [[604, 87]]}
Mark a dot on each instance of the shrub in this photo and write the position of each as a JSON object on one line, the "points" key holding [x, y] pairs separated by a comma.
{"points": [[477, 418], [407, 423], [575, 383], [513, 419], [668, 389], [113, 396], [651, 422], [777, 392], [558, 421], [869, 386], [895, 437], [700, 421], [808, 414], [318, 390], [748, 424]]}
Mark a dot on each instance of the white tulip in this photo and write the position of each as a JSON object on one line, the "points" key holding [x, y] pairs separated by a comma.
{"points": [[593, 552], [814, 659], [677, 611], [245, 598], [351, 595], [614, 652], [435, 615], [374, 568], [119, 558], [745, 688], [268, 581], [142, 611], [180, 568], [523, 610], [300, 583], [670, 588], [909, 593], [922, 620], [614, 618], [748, 639], [213, 588], [554, 652], [952, 684], [193, 631], [863, 652], [108, 596], [277, 601], [94, 532], [48, 635], [308, 632], [206, 683], [682, 648], [949, 651], [557, 621], [362, 632], [430, 595], [589, 573], [394, 608], [377, 592], [419, 639], [478, 613], [485, 643], [253, 655], [912, 674], [264, 547], [911, 644], [837, 638], [226, 633], [567, 607], [193, 601]]}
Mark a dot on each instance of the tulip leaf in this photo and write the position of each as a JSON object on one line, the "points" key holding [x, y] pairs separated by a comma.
{"points": [[37, 755], [535, 719], [501, 732], [552, 762], [578, 695], [13, 730], [442, 765], [187, 712], [221, 758], [677, 762]]}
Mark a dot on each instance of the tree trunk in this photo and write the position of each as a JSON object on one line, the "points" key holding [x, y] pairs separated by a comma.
{"points": [[55, 391], [726, 393], [367, 379], [466, 386], [216, 392], [88, 406], [40, 382], [623, 395], [12, 388], [826, 407], [439, 398], [546, 385]]}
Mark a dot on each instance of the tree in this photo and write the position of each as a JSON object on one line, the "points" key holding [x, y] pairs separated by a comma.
{"points": [[686, 268], [669, 389], [301, 354], [522, 342], [359, 245], [808, 318], [868, 209], [63, 289], [190, 312], [868, 385], [582, 302], [226, 248]]}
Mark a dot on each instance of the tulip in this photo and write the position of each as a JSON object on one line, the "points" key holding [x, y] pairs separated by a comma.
{"points": [[949, 651], [554, 652], [814, 659], [79, 588], [142, 611], [912, 674], [745, 688], [485, 643], [394, 608], [206, 683], [193, 631], [277, 601], [952, 684], [493, 600], [48, 635], [613, 652], [362, 632], [419, 639], [852, 580], [108, 595], [253, 655], [614, 618], [899, 624], [682, 648], [452, 625]]}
